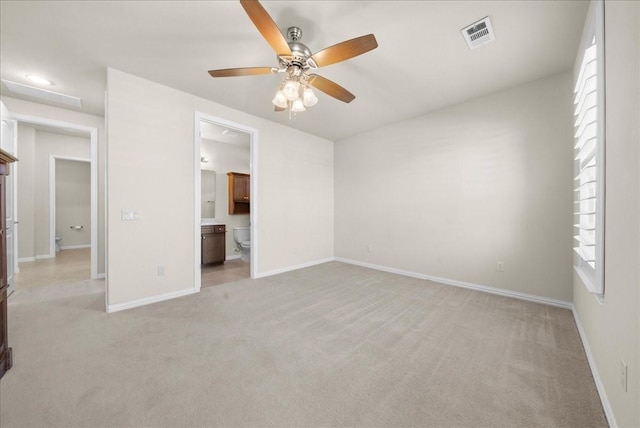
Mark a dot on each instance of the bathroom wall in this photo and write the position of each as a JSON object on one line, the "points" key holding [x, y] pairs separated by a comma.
{"points": [[34, 150], [224, 158], [73, 203]]}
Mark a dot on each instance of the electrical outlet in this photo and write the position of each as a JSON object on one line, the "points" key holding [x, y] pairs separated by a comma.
{"points": [[160, 270], [623, 375], [500, 266], [369, 248]]}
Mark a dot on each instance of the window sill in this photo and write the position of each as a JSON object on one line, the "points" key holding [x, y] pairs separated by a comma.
{"points": [[587, 281]]}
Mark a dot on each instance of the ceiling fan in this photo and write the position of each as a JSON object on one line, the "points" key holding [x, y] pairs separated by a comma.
{"points": [[297, 62]]}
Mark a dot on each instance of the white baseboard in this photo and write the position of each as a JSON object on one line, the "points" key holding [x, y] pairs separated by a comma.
{"points": [[608, 411], [49, 256], [74, 247], [233, 257], [101, 276], [469, 285], [291, 268], [148, 300]]}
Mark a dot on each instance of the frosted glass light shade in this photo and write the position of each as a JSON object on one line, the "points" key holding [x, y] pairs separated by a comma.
{"points": [[308, 97], [297, 106], [280, 100], [39, 80], [290, 90]]}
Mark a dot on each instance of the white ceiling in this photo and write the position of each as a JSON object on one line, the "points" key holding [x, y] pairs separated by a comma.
{"points": [[422, 62], [214, 132], [59, 130]]}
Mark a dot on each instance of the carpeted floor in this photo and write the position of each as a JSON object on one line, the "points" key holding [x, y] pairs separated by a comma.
{"points": [[330, 345]]}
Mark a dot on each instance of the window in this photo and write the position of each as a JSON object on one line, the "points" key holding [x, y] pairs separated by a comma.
{"points": [[589, 154]]}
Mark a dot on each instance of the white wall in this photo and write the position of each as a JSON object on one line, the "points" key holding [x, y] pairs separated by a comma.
{"points": [[27, 108], [450, 193], [224, 158], [151, 168], [35, 148], [612, 329], [26, 193], [73, 203]]}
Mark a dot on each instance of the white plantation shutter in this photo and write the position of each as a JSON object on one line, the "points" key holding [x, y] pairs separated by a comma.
{"points": [[589, 158]]}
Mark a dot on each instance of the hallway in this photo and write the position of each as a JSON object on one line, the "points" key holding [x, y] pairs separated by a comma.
{"points": [[68, 266]]}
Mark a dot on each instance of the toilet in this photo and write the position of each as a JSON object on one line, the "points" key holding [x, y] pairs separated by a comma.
{"points": [[58, 239], [242, 236]]}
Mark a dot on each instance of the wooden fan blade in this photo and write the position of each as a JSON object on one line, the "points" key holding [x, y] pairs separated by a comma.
{"points": [[266, 26], [276, 108], [247, 71], [330, 88], [345, 50]]}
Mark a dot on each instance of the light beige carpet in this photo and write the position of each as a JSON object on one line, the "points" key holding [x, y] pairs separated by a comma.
{"points": [[330, 345]]}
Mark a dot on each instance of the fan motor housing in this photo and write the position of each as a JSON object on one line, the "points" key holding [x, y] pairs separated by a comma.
{"points": [[299, 50], [300, 53]]}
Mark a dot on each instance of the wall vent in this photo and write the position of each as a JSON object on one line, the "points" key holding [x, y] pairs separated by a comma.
{"points": [[42, 94], [478, 33]]}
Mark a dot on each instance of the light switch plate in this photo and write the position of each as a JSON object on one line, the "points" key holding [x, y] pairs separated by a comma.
{"points": [[130, 215]]}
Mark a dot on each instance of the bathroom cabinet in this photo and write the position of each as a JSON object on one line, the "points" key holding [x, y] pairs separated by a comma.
{"points": [[239, 193], [213, 245], [6, 359]]}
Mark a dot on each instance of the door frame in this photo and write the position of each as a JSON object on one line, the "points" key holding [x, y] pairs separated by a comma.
{"points": [[52, 196], [93, 135], [253, 168], [7, 117]]}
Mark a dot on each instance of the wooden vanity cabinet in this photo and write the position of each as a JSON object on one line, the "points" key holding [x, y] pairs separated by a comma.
{"points": [[239, 193], [6, 356], [213, 245]]}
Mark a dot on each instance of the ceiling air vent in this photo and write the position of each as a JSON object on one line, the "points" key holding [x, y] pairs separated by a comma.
{"points": [[42, 94], [478, 33]]}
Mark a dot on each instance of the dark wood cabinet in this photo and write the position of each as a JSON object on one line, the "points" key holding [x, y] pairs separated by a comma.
{"points": [[239, 193], [213, 245], [6, 356], [241, 188]]}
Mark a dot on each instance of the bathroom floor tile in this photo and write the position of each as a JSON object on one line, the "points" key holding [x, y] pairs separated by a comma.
{"points": [[230, 271]]}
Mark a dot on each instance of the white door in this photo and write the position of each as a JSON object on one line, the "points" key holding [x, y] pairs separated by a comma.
{"points": [[8, 143]]}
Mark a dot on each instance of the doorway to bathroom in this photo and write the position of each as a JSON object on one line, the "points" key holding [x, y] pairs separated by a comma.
{"points": [[70, 214], [225, 224]]}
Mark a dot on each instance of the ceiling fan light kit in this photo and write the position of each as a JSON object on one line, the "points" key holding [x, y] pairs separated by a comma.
{"points": [[290, 90], [296, 60], [308, 97], [280, 100], [297, 106]]}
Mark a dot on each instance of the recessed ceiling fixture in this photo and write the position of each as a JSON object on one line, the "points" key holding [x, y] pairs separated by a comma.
{"points": [[478, 33], [296, 61], [230, 133], [42, 94], [39, 80]]}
